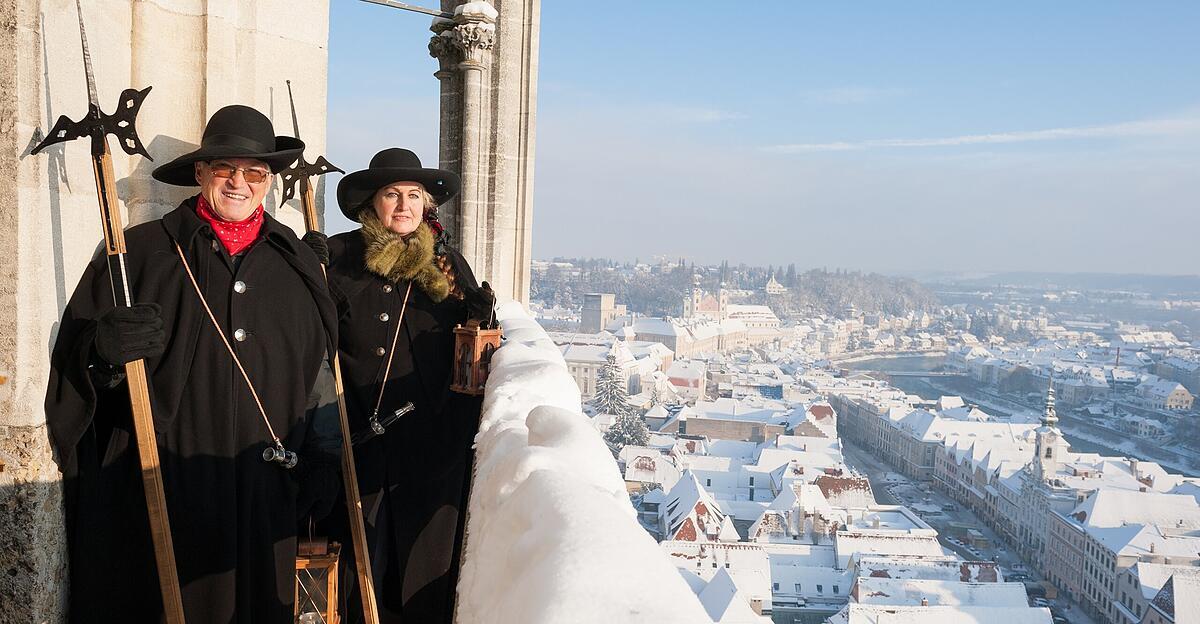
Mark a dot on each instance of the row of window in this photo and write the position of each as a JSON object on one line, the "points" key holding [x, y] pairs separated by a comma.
{"points": [[1129, 604], [800, 590]]}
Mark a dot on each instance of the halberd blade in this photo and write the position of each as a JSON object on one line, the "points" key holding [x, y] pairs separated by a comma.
{"points": [[121, 122], [64, 130]]}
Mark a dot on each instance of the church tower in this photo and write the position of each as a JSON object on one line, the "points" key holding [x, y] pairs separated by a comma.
{"points": [[1048, 436], [722, 302], [691, 304]]}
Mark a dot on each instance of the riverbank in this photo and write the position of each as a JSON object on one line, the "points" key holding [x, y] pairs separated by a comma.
{"points": [[859, 357]]}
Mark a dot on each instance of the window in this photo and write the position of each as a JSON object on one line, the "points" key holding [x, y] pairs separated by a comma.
{"points": [[797, 588], [751, 481], [708, 482], [820, 588], [835, 590], [774, 586]]}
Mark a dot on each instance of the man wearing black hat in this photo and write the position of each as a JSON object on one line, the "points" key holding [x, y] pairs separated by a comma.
{"points": [[234, 323]]}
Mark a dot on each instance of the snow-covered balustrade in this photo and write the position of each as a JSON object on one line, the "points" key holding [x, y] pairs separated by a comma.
{"points": [[552, 536]]}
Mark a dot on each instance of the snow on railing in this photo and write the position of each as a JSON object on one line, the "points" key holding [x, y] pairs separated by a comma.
{"points": [[552, 536]]}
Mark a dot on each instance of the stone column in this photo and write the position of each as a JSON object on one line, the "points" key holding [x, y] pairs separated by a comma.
{"points": [[488, 71], [198, 56], [442, 48], [474, 34]]}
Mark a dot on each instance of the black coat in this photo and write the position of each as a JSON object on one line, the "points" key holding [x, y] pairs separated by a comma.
{"points": [[414, 478], [232, 515]]}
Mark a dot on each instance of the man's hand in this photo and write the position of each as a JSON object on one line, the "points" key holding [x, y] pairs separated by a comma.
{"points": [[127, 334], [319, 243], [320, 480]]}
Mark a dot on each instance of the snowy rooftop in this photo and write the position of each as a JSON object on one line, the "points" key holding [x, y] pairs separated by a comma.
{"points": [[657, 327], [937, 567], [1152, 576], [598, 354], [1141, 523], [1180, 598], [889, 591], [878, 614], [725, 601], [916, 542], [686, 369], [1115, 508], [750, 409]]}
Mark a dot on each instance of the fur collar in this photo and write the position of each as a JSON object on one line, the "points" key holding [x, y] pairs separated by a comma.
{"points": [[404, 258]]}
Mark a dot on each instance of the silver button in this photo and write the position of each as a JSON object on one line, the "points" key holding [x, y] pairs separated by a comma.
{"points": [[384, 317], [387, 288], [239, 287], [380, 351], [239, 335], [215, 245]]}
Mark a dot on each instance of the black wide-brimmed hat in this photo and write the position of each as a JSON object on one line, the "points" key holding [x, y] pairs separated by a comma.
{"points": [[393, 165], [235, 131]]}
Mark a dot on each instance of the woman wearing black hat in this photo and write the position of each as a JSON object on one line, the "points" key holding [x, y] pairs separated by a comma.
{"points": [[234, 323], [400, 290]]}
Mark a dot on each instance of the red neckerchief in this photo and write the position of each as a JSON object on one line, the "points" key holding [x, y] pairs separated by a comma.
{"points": [[235, 235]]}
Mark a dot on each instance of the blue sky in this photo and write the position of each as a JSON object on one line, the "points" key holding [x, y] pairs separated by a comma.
{"points": [[888, 136]]}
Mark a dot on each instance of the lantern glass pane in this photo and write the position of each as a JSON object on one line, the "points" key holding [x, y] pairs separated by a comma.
{"points": [[312, 603]]}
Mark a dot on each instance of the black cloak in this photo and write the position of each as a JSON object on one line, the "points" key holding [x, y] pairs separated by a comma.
{"points": [[414, 479], [232, 515]]}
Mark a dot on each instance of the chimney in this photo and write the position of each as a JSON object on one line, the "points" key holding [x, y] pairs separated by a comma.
{"points": [[875, 523], [924, 601], [1151, 547]]}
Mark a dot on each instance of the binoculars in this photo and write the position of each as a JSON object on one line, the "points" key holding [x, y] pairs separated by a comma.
{"points": [[280, 455], [376, 426]]}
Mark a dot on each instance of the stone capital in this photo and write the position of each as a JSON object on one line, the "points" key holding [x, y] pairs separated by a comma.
{"points": [[443, 48], [474, 33]]}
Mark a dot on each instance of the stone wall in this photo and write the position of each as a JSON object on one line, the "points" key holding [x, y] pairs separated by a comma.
{"points": [[199, 55]]}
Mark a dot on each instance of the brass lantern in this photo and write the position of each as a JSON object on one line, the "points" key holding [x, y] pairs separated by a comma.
{"points": [[316, 581], [473, 349]]}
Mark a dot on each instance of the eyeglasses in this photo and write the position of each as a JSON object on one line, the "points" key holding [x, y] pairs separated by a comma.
{"points": [[226, 170]]}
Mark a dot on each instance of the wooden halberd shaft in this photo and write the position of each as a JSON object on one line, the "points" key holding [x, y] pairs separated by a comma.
{"points": [[358, 532], [139, 395]]}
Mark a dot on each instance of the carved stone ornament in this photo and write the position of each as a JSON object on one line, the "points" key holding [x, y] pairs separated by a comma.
{"points": [[474, 39], [443, 48]]}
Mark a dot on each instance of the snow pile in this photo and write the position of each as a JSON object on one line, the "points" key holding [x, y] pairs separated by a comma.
{"points": [[552, 536]]}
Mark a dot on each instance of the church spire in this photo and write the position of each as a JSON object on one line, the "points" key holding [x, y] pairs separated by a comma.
{"points": [[1050, 416], [1046, 462]]}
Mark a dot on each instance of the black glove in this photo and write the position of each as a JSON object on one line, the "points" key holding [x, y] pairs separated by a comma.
{"points": [[320, 479], [127, 334], [481, 304], [319, 243]]}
